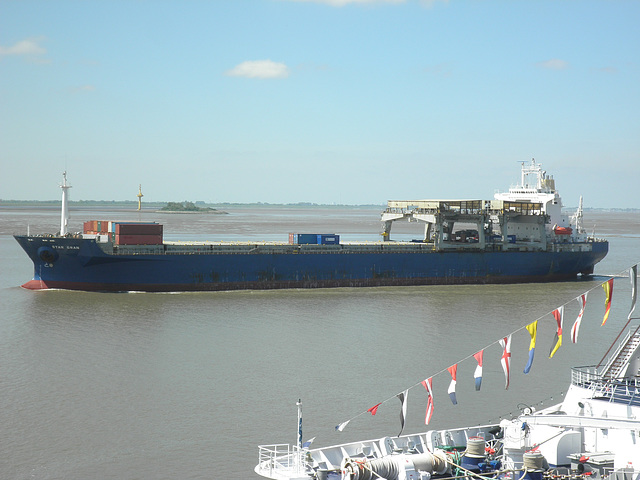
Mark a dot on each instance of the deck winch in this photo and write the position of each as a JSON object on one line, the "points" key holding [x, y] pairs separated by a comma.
{"points": [[396, 467]]}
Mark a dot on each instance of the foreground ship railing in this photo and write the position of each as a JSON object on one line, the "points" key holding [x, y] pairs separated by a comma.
{"points": [[281, 459], [625, 391]]}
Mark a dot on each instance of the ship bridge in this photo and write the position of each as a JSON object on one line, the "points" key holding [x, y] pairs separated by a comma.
{"points": [[497, 222]]}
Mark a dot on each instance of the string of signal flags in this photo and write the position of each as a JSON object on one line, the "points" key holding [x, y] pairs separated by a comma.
{"points": [[505, 345]]}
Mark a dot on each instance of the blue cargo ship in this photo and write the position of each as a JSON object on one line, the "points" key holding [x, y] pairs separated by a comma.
{"points": [[519, 236]]}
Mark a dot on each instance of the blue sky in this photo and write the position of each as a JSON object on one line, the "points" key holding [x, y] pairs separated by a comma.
{"points": [[339, 101]]}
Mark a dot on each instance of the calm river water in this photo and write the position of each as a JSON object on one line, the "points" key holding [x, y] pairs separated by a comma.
{"points": [[155, 386]]}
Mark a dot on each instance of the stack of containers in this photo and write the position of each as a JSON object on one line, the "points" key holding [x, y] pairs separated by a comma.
{"points": [[137, 233], [96, 227]]}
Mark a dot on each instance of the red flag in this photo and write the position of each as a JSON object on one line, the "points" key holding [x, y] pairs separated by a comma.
{"points": [[506, 359], [374, 409], [558, 314], [428, 384]]}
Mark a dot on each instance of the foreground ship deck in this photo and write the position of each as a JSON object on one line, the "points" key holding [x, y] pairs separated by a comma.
{"points": [[591, 434], [521, 236]]}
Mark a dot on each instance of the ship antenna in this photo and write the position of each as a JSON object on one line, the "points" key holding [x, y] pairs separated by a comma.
{"points": [[64, 214], [577, 217]]}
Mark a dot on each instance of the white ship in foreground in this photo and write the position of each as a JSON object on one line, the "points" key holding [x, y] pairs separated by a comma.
{"points": [[593, 434]]}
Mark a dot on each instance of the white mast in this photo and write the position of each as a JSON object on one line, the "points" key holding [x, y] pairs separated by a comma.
{"points": [[64, 215]]}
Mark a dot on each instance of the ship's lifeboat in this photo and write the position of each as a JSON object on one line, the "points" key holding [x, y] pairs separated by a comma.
{"points": [[562, 230]]}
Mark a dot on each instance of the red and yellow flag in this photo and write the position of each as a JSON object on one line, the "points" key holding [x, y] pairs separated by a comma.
{"points": [[608, 290]]}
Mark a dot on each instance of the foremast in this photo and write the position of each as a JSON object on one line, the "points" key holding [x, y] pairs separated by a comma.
{"points": [[64, 214]]}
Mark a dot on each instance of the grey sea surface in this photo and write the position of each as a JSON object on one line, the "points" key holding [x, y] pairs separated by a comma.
{"points": [[187, 385]]}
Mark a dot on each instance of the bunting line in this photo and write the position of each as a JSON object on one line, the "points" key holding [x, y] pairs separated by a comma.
{"points": [[505, 343]]}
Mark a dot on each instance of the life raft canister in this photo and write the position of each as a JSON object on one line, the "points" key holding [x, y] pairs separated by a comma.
{"points": [[562, 230], [47, 254]]}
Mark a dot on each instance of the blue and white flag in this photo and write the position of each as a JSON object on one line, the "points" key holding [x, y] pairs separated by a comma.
{"points": [[342, 426], [453, 370], [477, 375]]}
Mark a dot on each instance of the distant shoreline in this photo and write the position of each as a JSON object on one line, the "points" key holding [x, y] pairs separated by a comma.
{"points": [[158, 205]]}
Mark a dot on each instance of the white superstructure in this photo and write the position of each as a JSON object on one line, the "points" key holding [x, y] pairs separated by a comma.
{"points": [[537, 187]]}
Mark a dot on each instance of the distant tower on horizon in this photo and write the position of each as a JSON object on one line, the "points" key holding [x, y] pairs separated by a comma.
{"points": [[140, 197]]}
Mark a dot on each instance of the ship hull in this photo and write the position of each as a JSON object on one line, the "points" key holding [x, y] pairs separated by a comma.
{"points": [[80, 264]]}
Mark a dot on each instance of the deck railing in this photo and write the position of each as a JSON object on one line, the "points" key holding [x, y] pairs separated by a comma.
{"points": [[626, 391], [280, 457]]}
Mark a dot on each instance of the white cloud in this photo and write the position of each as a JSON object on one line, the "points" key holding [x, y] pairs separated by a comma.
{"points": [[29, 46], [553, 64], [259, 69], [83, 89]]}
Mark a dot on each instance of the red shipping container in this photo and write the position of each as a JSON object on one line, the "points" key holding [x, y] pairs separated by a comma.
{"points": [[138, 229], [138, 239], [94, 226]]}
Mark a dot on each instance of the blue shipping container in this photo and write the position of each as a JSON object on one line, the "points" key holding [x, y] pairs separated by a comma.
{"points": [[328, 239], [305, 238]]}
